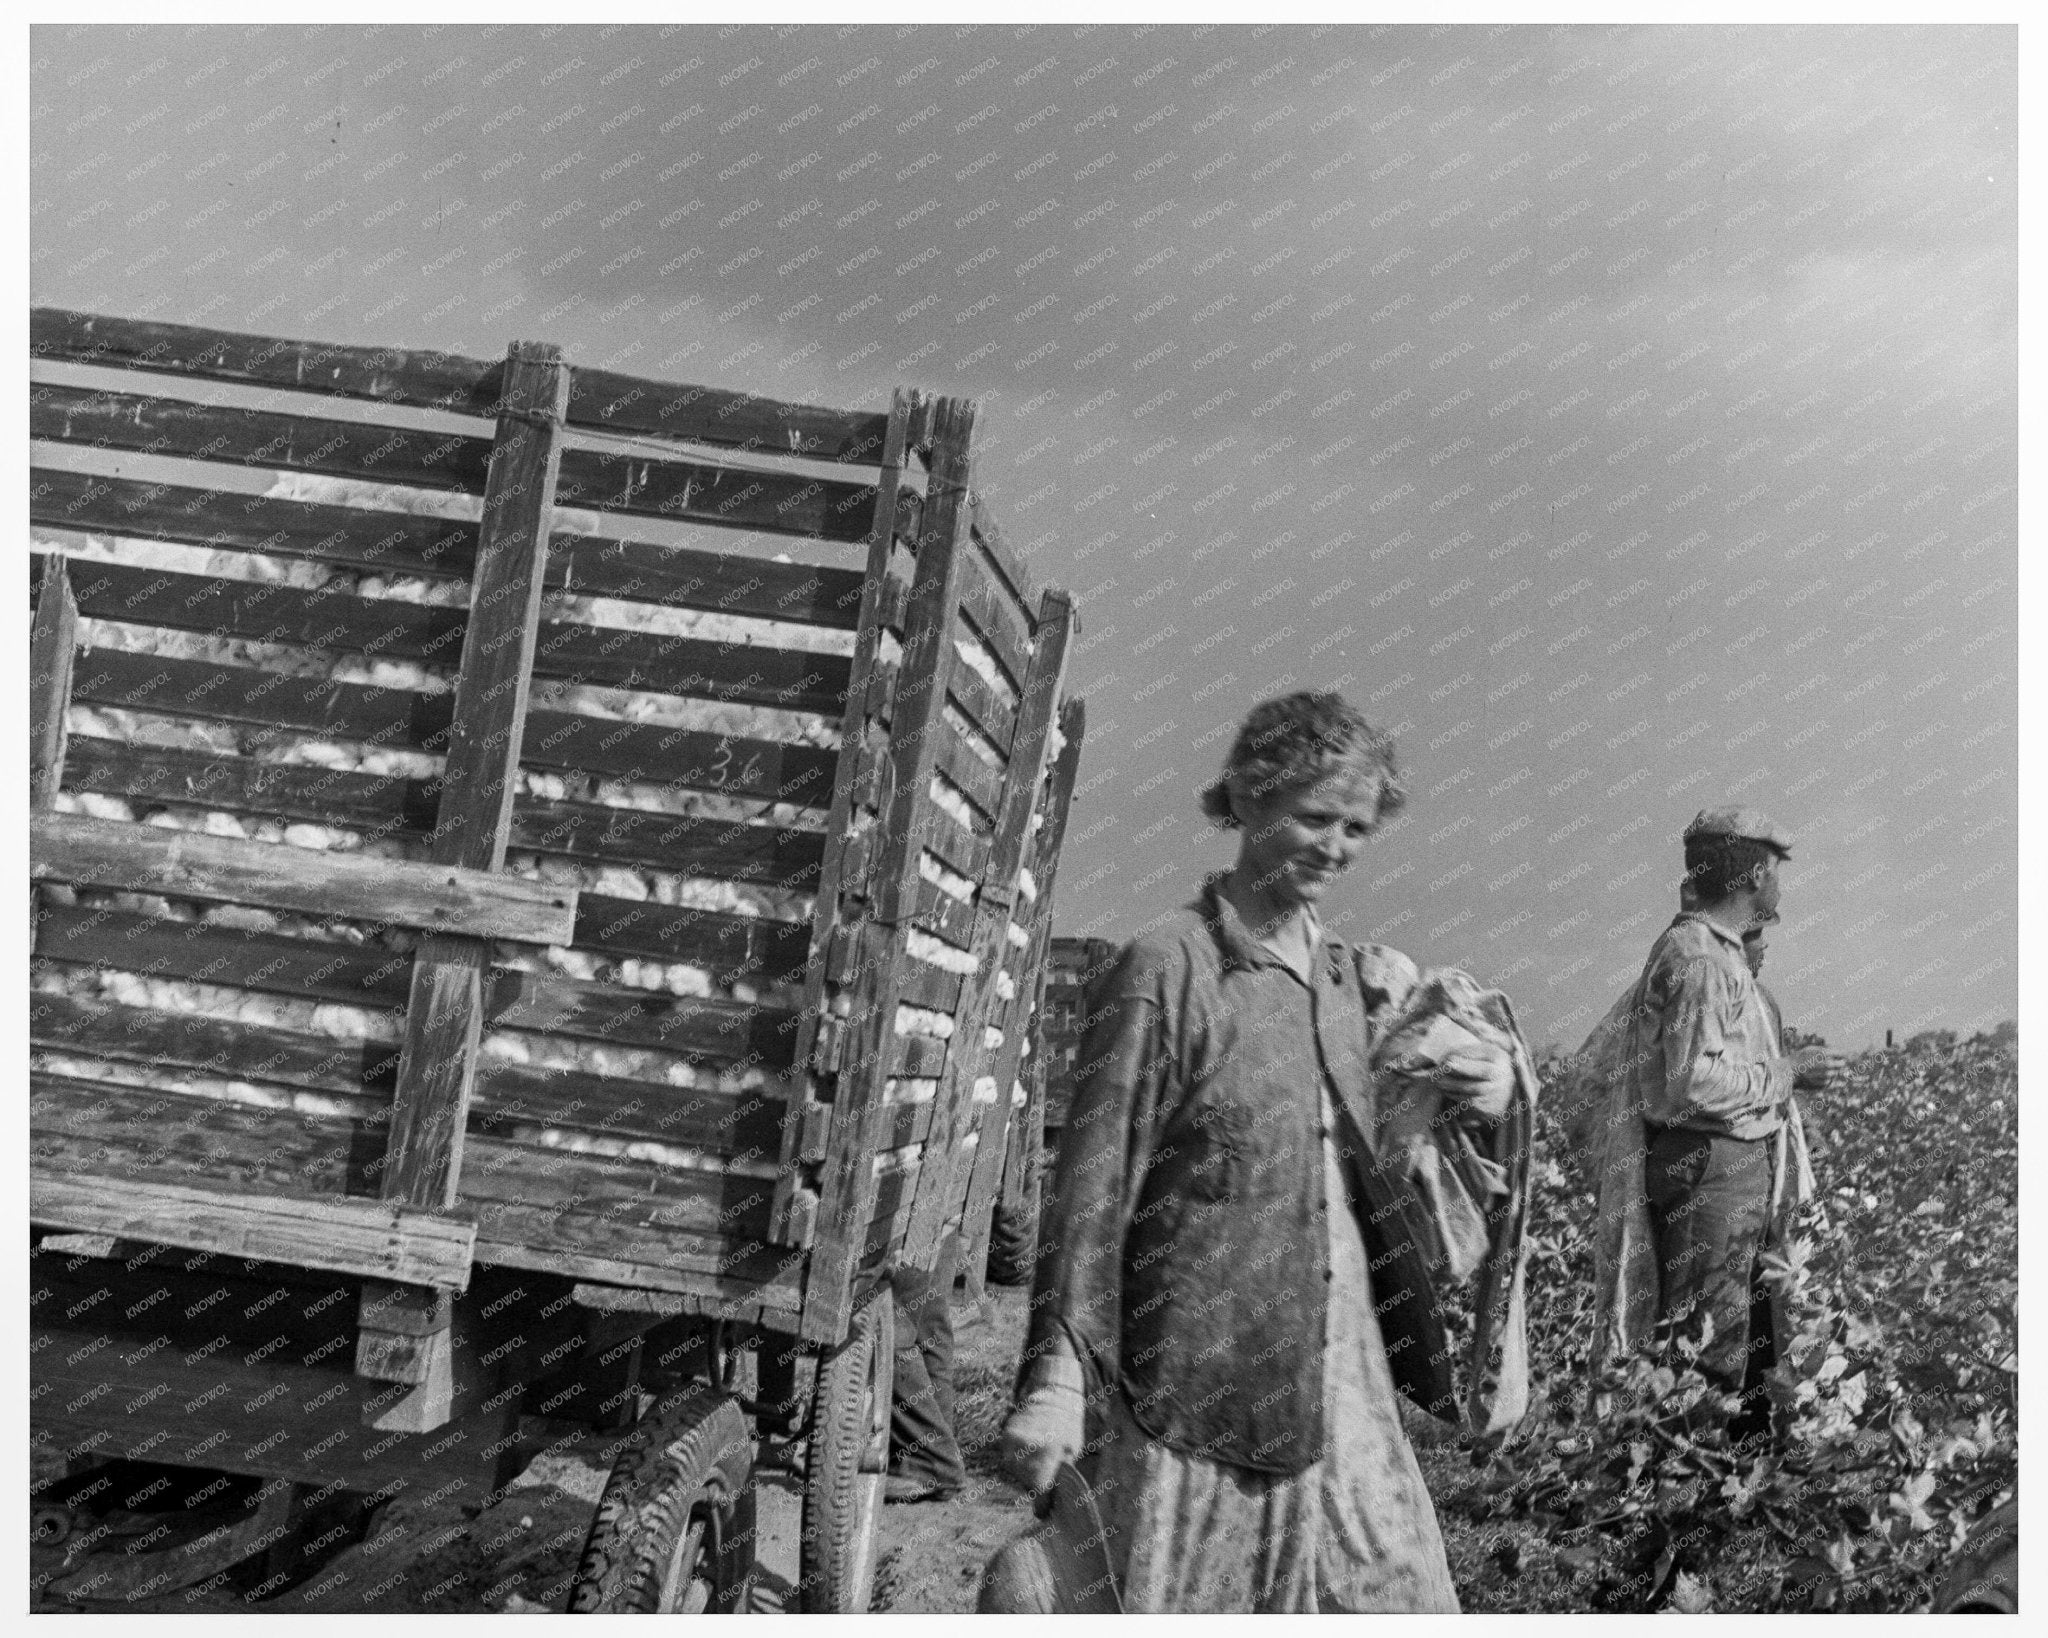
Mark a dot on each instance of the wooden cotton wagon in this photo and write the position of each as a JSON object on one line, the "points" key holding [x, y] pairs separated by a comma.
{"points": [[502, 947]]}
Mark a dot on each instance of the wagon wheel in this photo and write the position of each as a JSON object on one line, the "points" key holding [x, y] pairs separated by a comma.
{"points": [[849, 1455], [674, 1532]]}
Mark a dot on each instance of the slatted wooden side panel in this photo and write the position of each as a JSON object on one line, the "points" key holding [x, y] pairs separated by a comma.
{"points": [[584, 1154], [775, 937], [1007, 1126], [951, 969]]}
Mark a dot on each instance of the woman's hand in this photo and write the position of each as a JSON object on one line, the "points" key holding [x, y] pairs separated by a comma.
{"points": [[1480, 1081], [1048, 1427]]}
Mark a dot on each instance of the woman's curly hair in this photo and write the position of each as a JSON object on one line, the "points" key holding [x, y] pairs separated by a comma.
{"points": [[1297, 740]]}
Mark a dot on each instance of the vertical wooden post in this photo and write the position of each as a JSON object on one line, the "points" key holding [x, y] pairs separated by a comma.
{"points": [[405, 1334], [53, 644], [847, 1179], [969, 1057], [792, 1216], [1011, 1139]]}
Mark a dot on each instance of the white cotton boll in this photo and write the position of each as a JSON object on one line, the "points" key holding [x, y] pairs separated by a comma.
{"points": [[373, 585], [266, 830], [245, 916], [125, 988], [559, 872], [505, 1048], [1006, 986], [385, 849], [951, 801], [165, 821], [318, 837], [991, 1037], [1018, 1096], [680, 1074], [920, 944], [225, 824], [1027, 884], [1017, 938], [404, 674], [103, 807], [684, 979], [544, 785], [320, 753], [340, 1023], [59, 893], [619, 884]]}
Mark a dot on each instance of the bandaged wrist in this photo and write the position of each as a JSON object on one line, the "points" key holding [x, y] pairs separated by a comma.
{"points": [[1055, 1372]]}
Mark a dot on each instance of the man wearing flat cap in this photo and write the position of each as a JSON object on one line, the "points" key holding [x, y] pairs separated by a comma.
{"points": [[1698, 1089]]}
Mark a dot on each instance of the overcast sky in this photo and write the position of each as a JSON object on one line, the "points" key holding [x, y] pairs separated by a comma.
{"points": [[1625, 417]]}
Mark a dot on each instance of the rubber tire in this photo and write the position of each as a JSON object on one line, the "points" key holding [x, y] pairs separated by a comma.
{"points": [[848, 1465], [685, 1473]]}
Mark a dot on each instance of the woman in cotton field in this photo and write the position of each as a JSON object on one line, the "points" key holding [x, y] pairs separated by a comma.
{"points": [[1224, 1280]]}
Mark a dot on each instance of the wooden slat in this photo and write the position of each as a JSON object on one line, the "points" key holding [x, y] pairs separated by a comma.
{"points": [[606, 401], [696, 492], [274, 963], [982, 784], [963, 852], [731, 673], [506, 1094], [983, 706], [424, 380], [400, 809], [52, 647], [199, 1043], [600, 399], [406, 1335], [1010, 1136], [730, 497], [1003, 628], [121, 1135], [116, 1140], [1009, 566], [861, 787], [718, 848], [939, 912], [731, 946], [392, 717], [236, 436], [403, 809], [445, 1012], [567, 652], [699, 1026], [186, 864], [846, 1181], [398, 719], [350, 1236], [923, 985], [705, 1029], [585, 1245], [407, 543], [922, 1056], [942, 1186], [130, 1137]]}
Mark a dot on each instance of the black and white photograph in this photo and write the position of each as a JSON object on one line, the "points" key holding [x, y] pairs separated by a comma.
{"points": [[1012, 816]]}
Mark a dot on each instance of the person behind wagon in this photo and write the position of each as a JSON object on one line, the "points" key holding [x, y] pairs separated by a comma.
{"points": [[1220, 1270], [1699, 1159]]}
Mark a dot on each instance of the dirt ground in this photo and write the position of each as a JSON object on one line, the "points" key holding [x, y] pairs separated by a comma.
{"points": [[517, 1555]]}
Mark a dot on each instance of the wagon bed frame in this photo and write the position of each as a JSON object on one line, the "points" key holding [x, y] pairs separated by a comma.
{"points": [[860, 1178]]}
